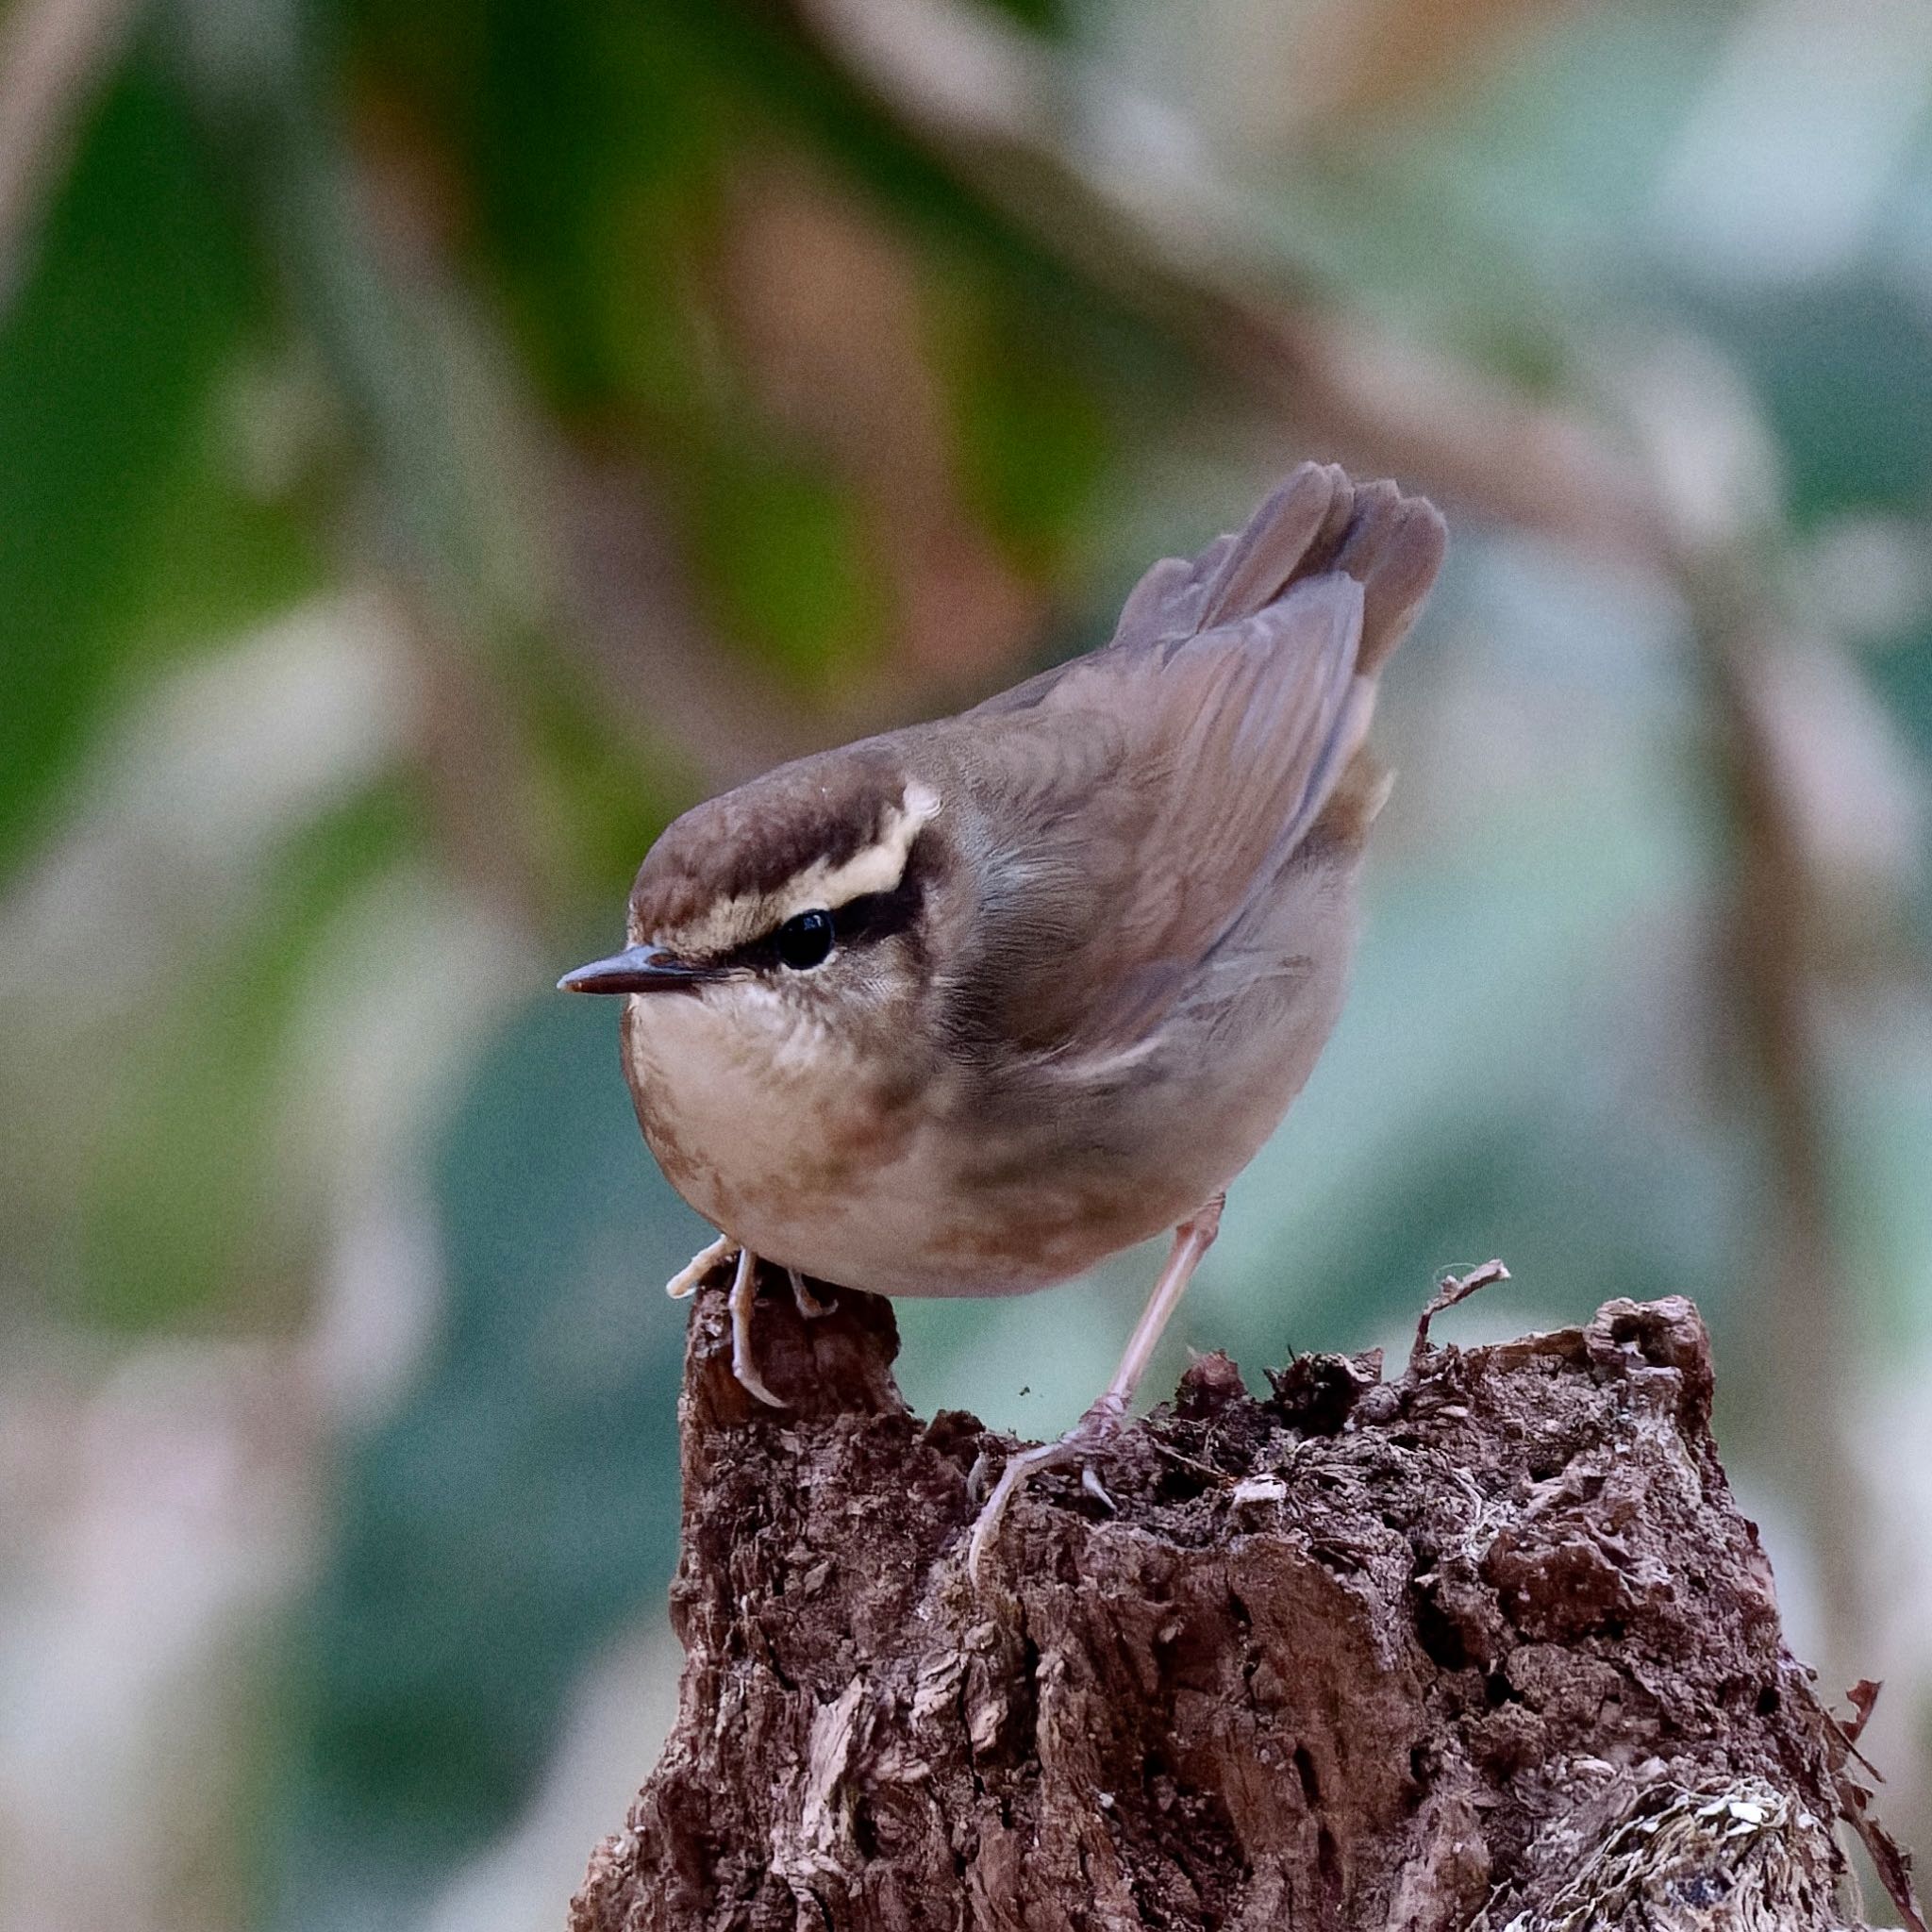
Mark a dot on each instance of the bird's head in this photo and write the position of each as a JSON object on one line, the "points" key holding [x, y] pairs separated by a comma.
{"points": [[803, 896]]}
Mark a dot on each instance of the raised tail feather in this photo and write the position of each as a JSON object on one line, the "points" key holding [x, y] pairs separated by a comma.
{"points": [[1231, 713], [1315, 522]]}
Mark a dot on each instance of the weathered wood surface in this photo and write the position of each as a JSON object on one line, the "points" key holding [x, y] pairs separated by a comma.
{"points": [[1489, 1645]]}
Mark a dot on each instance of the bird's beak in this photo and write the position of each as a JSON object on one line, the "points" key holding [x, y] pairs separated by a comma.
{"points": [[640, 969]]}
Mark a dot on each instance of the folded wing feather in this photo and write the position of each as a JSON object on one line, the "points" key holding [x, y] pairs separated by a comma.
{"points": [[1196, 751]]}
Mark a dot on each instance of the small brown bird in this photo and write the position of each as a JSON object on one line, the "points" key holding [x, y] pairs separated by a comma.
{"points": [[969, 1007]]}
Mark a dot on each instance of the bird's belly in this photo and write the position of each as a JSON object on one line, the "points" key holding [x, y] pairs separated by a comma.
{"points": [[813, 1168], [907, 1221], [910, 1229]]}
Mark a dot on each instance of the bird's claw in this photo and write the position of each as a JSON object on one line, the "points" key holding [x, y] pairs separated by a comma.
{"points": [[688, 1279], [744, 1293], [1091, 1433]]}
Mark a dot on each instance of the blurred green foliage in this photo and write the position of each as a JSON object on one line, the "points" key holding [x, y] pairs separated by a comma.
{"points": [[122, 537]]}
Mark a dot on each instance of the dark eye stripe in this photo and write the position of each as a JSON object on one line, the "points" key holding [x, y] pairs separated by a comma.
{"points": [[864, 921], [874, 916]]}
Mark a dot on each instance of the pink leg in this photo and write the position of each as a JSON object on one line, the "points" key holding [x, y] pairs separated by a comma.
{"points": [[745, 1289], [1105, 1420]]}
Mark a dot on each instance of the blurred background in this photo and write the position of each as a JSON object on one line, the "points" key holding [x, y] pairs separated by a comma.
{"points": [[439, 443]]}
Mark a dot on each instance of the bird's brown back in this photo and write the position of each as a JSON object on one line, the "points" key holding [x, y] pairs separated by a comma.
{"points": [[1165, 782]]}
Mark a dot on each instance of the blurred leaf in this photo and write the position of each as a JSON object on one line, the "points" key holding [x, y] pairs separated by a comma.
{"points": [[523, 1503], [783, 557], [1048, 17], [1903, 676], [176, 1219], [117, 538], [1842, 371], [600, 803], [1032, 436], [596, 142]]}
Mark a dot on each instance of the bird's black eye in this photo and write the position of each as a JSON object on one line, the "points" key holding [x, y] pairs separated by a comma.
{"points": [[805, 939]]}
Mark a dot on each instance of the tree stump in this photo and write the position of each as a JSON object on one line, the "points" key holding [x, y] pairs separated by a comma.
{"points": [[1488, 1645]]}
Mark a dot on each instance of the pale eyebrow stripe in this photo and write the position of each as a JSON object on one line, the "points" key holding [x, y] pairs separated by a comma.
{"points": [[878, 867]]}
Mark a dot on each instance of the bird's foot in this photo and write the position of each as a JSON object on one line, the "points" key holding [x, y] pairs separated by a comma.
{"points": [[744, 1294], [745, 1289], [685, 1282], [1094, 1432], [810, 1305]]}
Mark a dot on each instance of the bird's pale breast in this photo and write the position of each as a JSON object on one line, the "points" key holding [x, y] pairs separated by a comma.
{"points": [[796, 1154]]}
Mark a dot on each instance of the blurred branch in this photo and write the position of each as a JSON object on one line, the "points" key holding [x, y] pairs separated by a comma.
{"points": [[444, 542], [52, 53], [597, 566], [1168, 240], [627, 616], [1768, 956]]}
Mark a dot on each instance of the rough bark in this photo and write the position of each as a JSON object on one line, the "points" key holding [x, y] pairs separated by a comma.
{"points": [[1488, 1645]]}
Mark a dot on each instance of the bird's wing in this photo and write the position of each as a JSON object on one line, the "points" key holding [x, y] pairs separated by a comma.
{"points": [[1164, 782]]}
